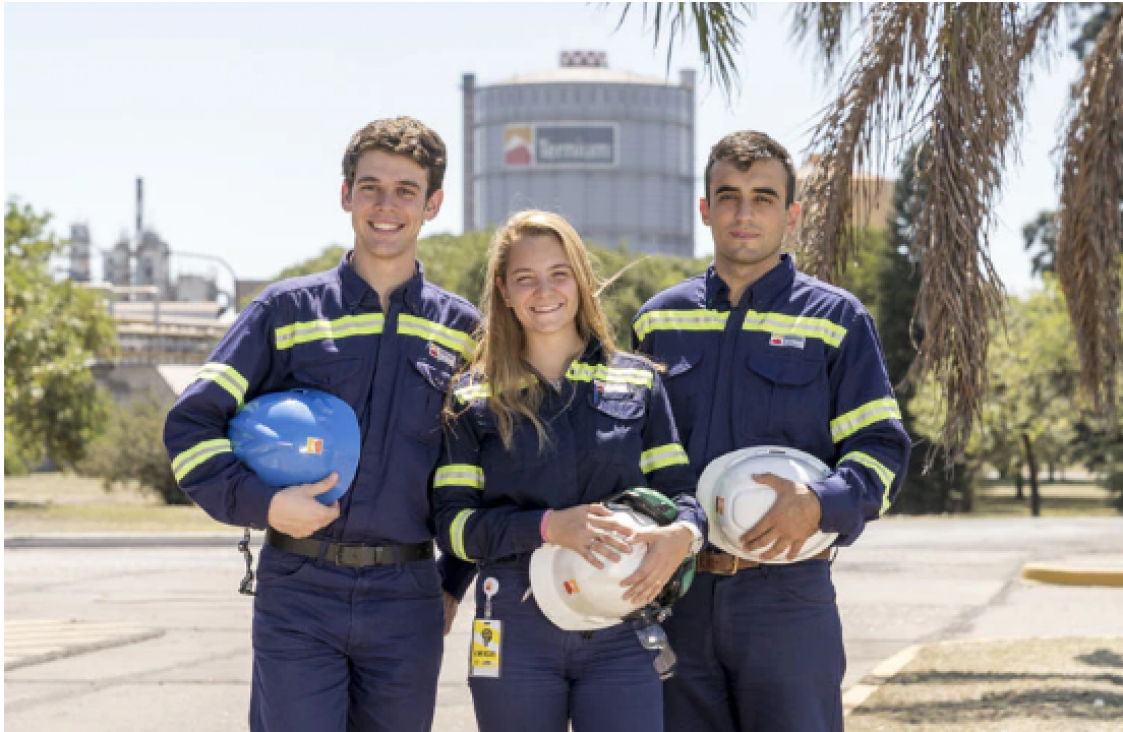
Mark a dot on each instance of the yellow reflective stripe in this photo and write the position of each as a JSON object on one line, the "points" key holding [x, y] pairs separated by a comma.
{"points": [[662, 457], [609, 375], [467, 394], [225, 376], [679, 320], [863, 416], [317, 330], [456, 533], [427, 330], [187, 460], [825, 330], [462, 474], [885, 474]]}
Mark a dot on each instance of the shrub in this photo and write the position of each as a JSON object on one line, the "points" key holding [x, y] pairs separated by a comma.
{"points": [[131, 450]]}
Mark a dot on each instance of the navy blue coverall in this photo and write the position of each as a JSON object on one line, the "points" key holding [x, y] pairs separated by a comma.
{"points": [[795, 363], [610, 429], [338, 647]]}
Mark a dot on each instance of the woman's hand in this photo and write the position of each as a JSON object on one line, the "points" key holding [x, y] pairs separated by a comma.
{"points": [[667, 546], [591, 531]]}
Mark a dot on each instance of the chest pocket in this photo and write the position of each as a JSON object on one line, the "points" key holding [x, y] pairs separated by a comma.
{"points": [[683, 381], [321, 365], [794, 399], [426, 383], [618, 418]]}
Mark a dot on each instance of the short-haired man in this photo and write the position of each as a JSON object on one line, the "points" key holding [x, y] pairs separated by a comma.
{"points": [[345, 638], [761, 354]]}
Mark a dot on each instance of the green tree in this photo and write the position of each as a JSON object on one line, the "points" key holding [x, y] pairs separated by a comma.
{"points": [[53, 333], [458, 263], [1040, 237], [955, 76]]}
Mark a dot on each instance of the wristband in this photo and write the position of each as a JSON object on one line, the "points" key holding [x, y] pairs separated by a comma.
{"points": [[542, 526]]}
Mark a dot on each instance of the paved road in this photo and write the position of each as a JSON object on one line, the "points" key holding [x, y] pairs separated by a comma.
{"points": [[151, 637]]}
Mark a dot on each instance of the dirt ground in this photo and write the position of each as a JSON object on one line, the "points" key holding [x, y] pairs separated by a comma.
{"points": [[1039, 685]]}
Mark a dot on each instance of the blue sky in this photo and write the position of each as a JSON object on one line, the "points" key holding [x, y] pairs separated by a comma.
{"points": [[236, 115]]}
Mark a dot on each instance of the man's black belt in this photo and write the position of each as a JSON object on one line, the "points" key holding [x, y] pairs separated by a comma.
{"points": [[351, 555]]}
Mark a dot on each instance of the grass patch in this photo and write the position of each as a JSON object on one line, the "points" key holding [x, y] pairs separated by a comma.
{"points": [[1030, 685], [995, 499], [63, 503]]}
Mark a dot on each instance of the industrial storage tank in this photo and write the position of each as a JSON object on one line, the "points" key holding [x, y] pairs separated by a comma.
{"points": [[612, 151]]}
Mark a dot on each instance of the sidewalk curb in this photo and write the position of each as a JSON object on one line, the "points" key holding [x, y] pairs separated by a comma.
{"points": [[126, 540], [1064, 575], [858, 694]]}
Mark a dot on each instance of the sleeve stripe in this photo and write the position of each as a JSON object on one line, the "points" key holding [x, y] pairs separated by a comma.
{"points": [[225, 376], [317, 330], [886, 475], [469, 476], [189, 459], [427, 330], [863, 416], [456, 533], [679, 320], [662, 457]]}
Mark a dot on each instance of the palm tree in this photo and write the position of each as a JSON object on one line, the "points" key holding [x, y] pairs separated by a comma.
{"points": [[953, 76]]}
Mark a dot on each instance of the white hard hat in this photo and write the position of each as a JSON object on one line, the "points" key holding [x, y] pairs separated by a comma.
{"points": [[734, 502], [574, 594]]}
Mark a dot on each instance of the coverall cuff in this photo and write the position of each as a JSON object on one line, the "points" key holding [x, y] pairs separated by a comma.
{"points": [[252, 498], [836, 503], [692, 513], [456, 575], [525, 531]]}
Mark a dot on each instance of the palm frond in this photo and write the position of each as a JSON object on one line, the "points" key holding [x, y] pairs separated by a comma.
{"points": [[975, 116], [951, 75], [876, 100], [718, 33], [1091, 216], [824, 24]]}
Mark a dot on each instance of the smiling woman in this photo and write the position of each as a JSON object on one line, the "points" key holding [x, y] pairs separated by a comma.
{"points": [[547, 426]]}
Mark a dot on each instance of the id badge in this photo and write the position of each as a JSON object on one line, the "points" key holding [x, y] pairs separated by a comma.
{"points": [[487, 644]]}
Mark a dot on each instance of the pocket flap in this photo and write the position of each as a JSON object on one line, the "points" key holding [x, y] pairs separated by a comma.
{"points": [[790, 371], [630, 405], [682, 365], [437, 378]]}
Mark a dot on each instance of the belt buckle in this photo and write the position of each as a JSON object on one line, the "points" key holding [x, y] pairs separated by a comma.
{"points": [[349, 555], [733, 566]]}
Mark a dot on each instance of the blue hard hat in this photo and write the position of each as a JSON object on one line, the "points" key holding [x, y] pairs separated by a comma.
{"points": [[298, 436]]}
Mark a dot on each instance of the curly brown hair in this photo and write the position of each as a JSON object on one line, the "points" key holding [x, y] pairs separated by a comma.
{"points": [[744, 148], [400, 136]]}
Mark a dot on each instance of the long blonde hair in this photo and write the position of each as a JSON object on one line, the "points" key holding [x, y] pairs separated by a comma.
{"points": [[514, 388]]}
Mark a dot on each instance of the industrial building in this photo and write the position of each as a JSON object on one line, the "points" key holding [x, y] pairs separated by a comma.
{"points": [[610, 150]]}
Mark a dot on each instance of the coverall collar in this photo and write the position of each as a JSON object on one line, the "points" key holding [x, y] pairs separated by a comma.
{"points": [[356, 289], [757, 295]]}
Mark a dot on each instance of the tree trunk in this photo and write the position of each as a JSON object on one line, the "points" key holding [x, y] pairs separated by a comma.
{"points": [[1019, 484], [1034, 493], [1052, 472]]}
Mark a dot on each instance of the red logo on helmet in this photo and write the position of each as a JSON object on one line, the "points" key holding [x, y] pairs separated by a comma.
{"points": [[314, 446], [570, 587]]}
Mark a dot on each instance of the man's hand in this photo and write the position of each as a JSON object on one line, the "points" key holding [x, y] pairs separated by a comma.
{"points": [[296, 512], [667, 546], [451, 606], [792, 520]]}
